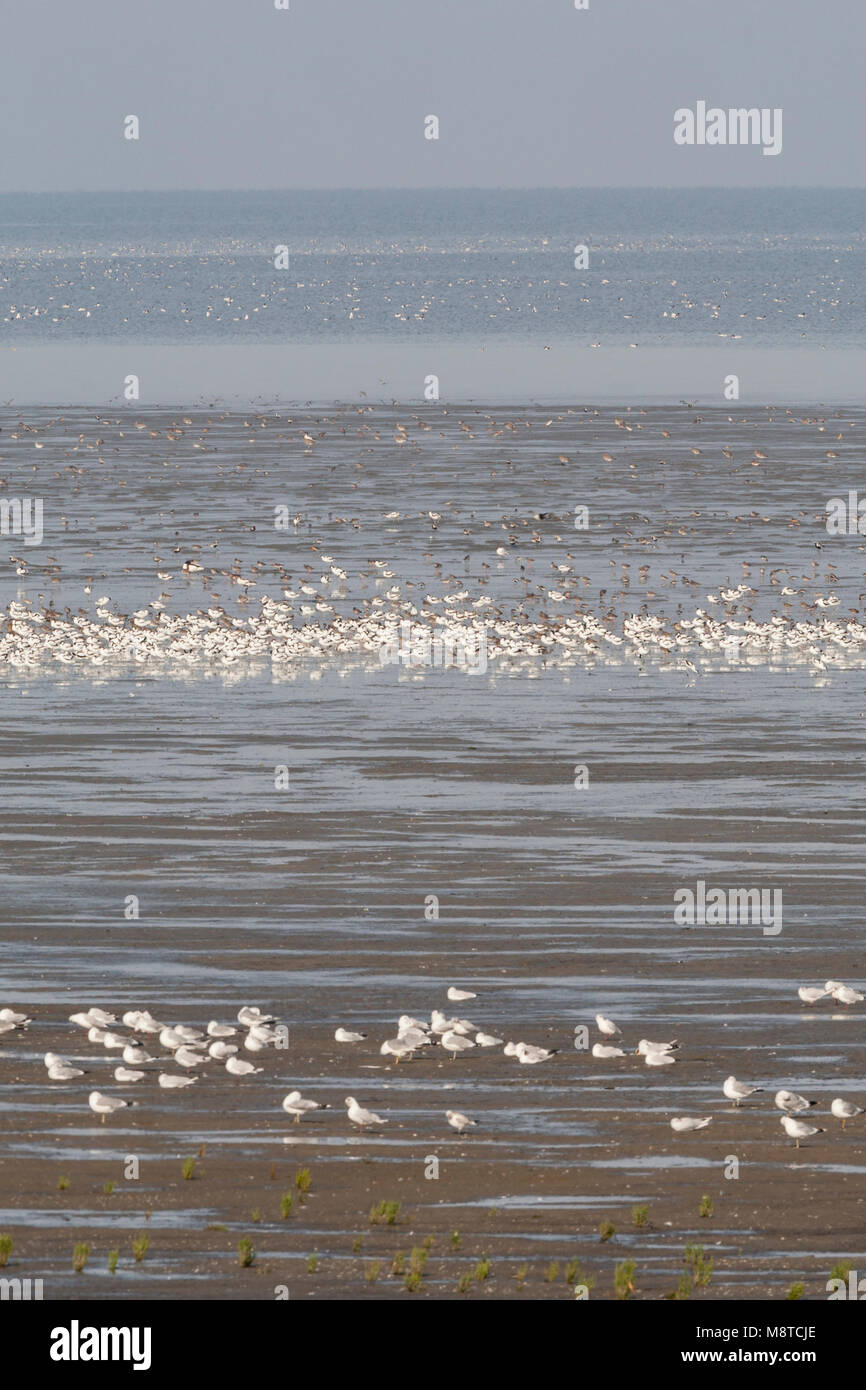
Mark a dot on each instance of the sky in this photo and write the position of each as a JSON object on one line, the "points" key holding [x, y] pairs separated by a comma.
{"points": [[334, 93]]}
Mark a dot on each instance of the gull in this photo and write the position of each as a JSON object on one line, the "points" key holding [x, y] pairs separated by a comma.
{"points": [[810, 994], [249, 1014], [791, 1102], [529, 1055], [406, 1021], [844, 1109], [141, 1021], [738, 1090], [170, 1038], [113, 1041], [221, 1050], [395, 1047], [105, 1105], [220, 1030], [95, 1034], [187, 1035], [62, 1071], [645, 1046], [798, 1129], [487, 1040], [295, 1104], [360, 1117], [414, 1038], [458, 1121], [238, 1067], [124, 1074], [135, 1055], [605, 1050], [104, 1019], [456, 1042], [440, 1024], [607, 1026], [186, 1058], [344, 1035], [658, 1059], [174, 1083], [10, 1016], [458, 995], [83, 1020], [7, 1028], [684, 1124], [843, 994]]}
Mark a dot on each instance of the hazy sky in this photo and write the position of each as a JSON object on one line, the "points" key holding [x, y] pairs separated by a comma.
{"points": [[333, 93]]}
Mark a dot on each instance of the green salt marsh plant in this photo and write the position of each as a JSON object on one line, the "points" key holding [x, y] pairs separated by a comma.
{"points": [[412, 1280], [188, 1168], [6, 1247], [606, 1230], [384, 1214], [358, 1244], [700, 1267], [464, 1283], [639, 1216], [79, 1256], [108, 1188], [706, 1207], [140, 1246], [246, 1253], [312, 1264], [454, 1238], [303, 1181], [840, 1270], [113, 1256], [796, 1292], [397, 1263], [371, 1273], [62, 1184], [255, 1215], [623, 1279], [482, 1270], [573, 1275], [551, 1272], [286, 1203], [521, 1274]]}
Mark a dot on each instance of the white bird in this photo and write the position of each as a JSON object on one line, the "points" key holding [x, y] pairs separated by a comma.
{"points": [[186, 1058], [169, 1082], [843, 994], [249, 1015], [135, 1055], [236, 1066], [104, 1020], [10, 1016], [456, 1042], [645, 1046], [83, 1020], [798, 1129], [296, 1104], [113, 1041], [845, 1109], [220, 1030], [528, 1055], [607, 1026], [458, 1121], [221, 1050], [738, 1090], [415, 1038], [105, 1105], [95, 1034], [791, 1102], [395, 1047], [344, 1035], [361, 1117], [62, 1071], [124, 1074], [684, 1124], [810, 994], [659, 1059], [147, 1023], [458, 995], [51, 1057], [487, 1040], [188, 1035], [440, 1024], [170, 1038], [605, 1050]]}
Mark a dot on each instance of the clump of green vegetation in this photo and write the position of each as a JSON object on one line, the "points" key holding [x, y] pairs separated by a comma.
{"points": [[700, 1267], [255, 1215], [303, 1181], [428, 1242], [639, 1216], [312, 1264], [795, 1292], [521, 1274], [287, 1201], [108, 1188], [683, 1289], [454, 1238], [246, 1253], [492, 1211], [201, 1150], [412, 1280], [62, 1184], [482, 1270], [706, 1207], [371, 1273], [113, 1256], [464, 1283], [623, 1279], [188, 1168], [140, 1246], [79, 1256], [573, 1275], [840, 1270], [7, 1245], [417, 1260], [551, 1272], [215, 1226], [385, 1214], [397, 1263], [358, 1244], [606, 1230]]}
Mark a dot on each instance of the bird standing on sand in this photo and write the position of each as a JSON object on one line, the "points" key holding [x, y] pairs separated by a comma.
{"points": [[739, 1090], [106, 1105], [798, 1129], [361, 1117], [845, 1109], [607, 1027], [296, 1104], [458, 1121]]}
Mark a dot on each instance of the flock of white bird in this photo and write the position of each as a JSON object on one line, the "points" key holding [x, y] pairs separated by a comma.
{"points": [[192, 1048]]}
